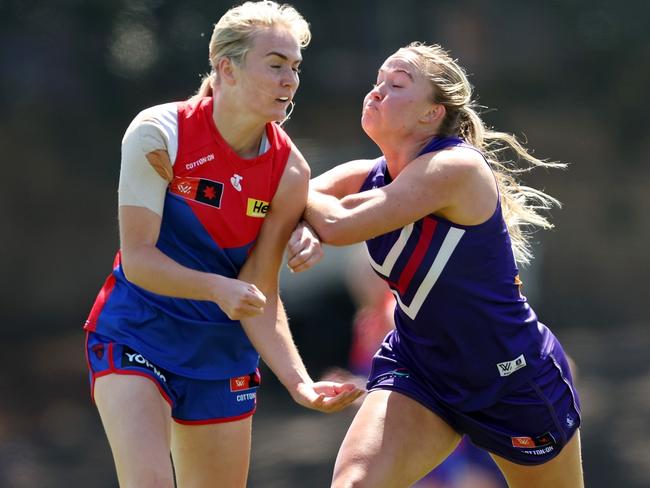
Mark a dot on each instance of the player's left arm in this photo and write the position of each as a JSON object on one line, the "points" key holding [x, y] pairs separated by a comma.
{"points": [[269, 332]]}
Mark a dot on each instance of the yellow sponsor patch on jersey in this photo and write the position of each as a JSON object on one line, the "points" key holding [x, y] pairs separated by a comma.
{"points": [[257, 208]]}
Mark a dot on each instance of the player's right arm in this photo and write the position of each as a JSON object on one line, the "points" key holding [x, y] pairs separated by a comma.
{"points": [[145, 172]]}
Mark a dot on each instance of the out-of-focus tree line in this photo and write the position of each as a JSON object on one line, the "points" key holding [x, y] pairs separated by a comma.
{"points": [[570, 77]]}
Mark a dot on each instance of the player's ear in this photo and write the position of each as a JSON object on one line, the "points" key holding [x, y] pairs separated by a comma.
{"points": [[225, 70], [435, 114]]}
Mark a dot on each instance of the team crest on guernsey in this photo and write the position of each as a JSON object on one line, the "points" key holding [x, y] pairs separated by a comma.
{"points": [[200, 190]]}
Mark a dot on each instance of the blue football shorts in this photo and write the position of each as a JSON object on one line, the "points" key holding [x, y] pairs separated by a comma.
{"points": [[527, 426], [193, 401]]}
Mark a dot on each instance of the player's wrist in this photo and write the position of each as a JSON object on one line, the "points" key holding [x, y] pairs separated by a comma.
{"points": [[217, 287], [298, 386]]}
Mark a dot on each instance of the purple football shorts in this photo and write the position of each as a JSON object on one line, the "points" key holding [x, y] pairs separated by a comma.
{"points": [[192, 401], [527, 426]]}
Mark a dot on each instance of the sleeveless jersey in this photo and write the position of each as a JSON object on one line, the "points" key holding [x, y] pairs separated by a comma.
{"points": [[462, 325], [213, 212]]}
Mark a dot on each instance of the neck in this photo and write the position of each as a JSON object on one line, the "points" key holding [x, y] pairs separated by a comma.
{"points": [[399, 154], [241, 131]]}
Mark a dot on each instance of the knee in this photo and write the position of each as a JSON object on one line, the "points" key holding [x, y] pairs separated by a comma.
{"points": [[350, 476], [150, 478]]}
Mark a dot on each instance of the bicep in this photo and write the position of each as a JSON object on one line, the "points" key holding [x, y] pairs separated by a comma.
{"points": [[263, 264], [343, 179], [139, 226]]}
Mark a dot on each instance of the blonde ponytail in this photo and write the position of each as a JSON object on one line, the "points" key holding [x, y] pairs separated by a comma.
{"points": [[521, 205], [205, 90]]}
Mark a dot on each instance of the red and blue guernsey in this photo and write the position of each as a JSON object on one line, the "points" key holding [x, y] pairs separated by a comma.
{"points": [[214, 208], [462, 325]]}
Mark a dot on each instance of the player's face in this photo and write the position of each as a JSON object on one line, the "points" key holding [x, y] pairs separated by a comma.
{"points": [[399, 100], [269, 73]]}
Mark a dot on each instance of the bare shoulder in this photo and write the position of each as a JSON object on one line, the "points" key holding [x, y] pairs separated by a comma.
{"points": [[456, 161], [460, 173], [294, 181], [297, 168]]}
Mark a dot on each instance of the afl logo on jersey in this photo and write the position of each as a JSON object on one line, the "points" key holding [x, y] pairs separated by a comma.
{"points": [[257, 208]]}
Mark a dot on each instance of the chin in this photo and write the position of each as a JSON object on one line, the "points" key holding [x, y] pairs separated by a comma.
{"points": [[280, 114], [367, 126]]}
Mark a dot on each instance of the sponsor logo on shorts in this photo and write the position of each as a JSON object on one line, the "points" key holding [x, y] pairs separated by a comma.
{"points": [[245, 382], [245, 397], [257, 208], [98, 349], [401, 373], [131, 358], [396, 373], [536, 446], [538, 452], [570, 421], [508, 367], [522, 442]]}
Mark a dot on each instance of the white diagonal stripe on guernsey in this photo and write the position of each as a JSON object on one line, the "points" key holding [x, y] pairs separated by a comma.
{"points": [[391, 258], [446, 249]]}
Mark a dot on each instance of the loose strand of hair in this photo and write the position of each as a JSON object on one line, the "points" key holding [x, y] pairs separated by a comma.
{"points": [[521, 205]]}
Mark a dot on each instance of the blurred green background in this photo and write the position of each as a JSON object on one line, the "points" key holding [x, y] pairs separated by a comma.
{"points": [[571, 76]]}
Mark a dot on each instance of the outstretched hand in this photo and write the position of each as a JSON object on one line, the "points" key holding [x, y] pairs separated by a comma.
{"points": [[326, 396], [304, 249]]}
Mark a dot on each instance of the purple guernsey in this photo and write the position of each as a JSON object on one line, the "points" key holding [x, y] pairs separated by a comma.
{"points": [[462, 325]]}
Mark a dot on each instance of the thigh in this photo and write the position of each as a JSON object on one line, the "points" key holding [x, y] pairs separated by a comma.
{"points": [[137, 421], [204, 453], [393, 441], [563, 471]]}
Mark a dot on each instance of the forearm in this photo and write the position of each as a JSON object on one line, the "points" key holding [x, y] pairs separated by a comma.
{"points": [[322, 213], [149, 268], [339, 222], [270, 335]]}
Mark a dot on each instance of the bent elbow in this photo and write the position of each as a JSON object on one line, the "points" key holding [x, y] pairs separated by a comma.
{"points": [[128, 269], [131, 266], [334, 233]]}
